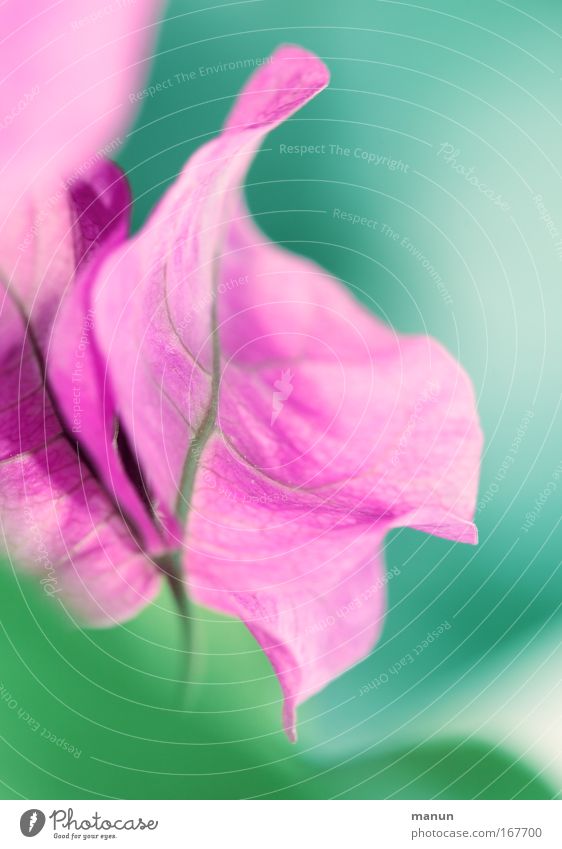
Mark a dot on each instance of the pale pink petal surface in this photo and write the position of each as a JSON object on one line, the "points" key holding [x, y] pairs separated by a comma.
{"points": [[289, 425], [307, 581], [66, 72]]}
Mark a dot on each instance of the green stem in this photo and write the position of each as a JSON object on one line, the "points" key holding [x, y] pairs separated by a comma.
{"points": [[206, 427], [171, 567], [170, 564]]}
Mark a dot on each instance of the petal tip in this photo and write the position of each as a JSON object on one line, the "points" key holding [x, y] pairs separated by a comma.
{"points": [[287, 80], [308, 60]]}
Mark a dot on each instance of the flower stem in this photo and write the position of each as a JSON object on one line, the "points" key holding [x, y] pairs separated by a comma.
{"points": [[171, 567], [207, 425]]}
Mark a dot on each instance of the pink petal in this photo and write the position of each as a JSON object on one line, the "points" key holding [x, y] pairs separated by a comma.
{"points": [[50, 260], [67, 71], [310, 432], [55, 519], [75, 369], [154, 296], [49, 257], [308, 582], [384, 422], [45, 240]]}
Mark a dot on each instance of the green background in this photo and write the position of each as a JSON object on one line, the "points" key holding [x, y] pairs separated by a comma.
{"points": [[476, 714]]}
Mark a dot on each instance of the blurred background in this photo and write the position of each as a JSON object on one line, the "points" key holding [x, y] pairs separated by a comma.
{"points": [[451, 116]]}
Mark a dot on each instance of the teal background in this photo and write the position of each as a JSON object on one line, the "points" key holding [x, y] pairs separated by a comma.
{"points": [[476, 714]]}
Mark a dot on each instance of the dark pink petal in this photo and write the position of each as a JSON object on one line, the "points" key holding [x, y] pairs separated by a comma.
{"points": [[45, 240], [50, 261], [55, 518], [75, 369], [67, 72], [290, 425]]}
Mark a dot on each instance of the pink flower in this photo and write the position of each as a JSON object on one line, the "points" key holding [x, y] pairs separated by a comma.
{"points": [[62, 208], [271, 429], [67, 70]]}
